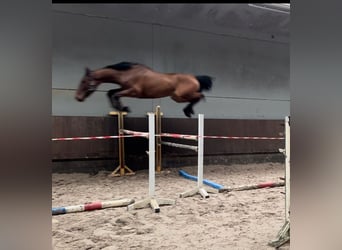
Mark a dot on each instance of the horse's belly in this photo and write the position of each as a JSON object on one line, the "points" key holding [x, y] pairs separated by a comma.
{"points": [[156, 91], [154, 95]]}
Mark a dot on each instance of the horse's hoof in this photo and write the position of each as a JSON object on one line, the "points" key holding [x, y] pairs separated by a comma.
{"points": [[115, 106], [126, 109], [187, 113]]}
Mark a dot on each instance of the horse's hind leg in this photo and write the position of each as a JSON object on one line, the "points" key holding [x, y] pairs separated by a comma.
{"points": [[114, 99]]}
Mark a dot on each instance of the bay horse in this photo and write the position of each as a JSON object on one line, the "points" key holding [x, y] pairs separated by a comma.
{"points": [[139, 81]]}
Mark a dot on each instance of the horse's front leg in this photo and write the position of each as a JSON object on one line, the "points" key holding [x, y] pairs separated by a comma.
{"points": [[188, 110], [114, 99]]}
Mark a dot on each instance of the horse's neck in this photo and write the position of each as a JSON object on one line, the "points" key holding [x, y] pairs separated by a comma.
{"points": [[106, 75], [117, 76]]}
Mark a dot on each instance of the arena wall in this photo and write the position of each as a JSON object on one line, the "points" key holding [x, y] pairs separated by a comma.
{"points": [[250, 95]]}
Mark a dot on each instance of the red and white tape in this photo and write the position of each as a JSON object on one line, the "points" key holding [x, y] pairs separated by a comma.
{"points": [[244, 137], [180, 136], [194, 137], [188, 137], [135, 133], [91, 137], [129, 132]]}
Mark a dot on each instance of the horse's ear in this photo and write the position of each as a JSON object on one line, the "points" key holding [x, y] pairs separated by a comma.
{"points": [[87, 71]]}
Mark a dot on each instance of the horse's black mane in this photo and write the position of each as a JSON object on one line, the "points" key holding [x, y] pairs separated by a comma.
{"points": [[122, 65]]}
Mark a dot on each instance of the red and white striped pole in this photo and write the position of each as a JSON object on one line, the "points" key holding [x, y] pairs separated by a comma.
{"points": [[89, 206]]}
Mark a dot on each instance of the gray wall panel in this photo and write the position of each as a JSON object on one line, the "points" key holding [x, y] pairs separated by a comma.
{"points": [[227, 19], [253, 70], [230, 109], [241, 67], [80, 41], [63, 102]]}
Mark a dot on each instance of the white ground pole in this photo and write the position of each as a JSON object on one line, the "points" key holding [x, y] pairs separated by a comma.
{"points": [[151, 200], [200, 189]]}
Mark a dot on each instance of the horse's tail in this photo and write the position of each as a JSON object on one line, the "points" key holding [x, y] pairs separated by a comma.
{"points": [[206, 82]]}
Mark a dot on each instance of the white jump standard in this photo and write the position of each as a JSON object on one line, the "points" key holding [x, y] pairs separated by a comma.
{"points": [[199, 189], [151, 200], [283, 235]]}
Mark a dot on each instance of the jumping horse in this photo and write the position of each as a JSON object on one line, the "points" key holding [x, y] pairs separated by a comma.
{"points": [[139, 81]]}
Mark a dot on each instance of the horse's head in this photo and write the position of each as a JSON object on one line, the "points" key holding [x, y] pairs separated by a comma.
{"points": [[86, 87]]}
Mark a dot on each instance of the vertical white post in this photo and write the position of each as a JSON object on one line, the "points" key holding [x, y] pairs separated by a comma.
{"points": [[287, 168], [151, 154], [200, 150]]}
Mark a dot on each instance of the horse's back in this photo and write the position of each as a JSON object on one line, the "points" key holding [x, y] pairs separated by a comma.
{"points": [[147, 83], [122, 66]]}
